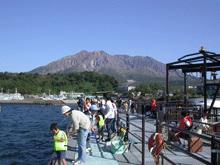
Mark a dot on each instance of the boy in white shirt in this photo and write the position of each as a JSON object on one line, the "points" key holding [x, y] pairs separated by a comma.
{"points": [[204, 126]]}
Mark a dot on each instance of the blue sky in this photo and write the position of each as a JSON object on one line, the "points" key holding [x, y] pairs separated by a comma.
{"points": [[36, 32]]}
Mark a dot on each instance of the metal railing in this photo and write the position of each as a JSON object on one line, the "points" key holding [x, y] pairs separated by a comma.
{"points": [[175, 107], [128, 123], [142, 139], [213, 140]]}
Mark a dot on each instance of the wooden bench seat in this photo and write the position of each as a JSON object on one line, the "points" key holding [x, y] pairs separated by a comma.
{"points": [[194, 143]]}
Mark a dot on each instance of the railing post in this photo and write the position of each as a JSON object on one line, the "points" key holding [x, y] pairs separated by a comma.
{"points": [[213, 147], [201, 110], [127, 125], [118, 120], [157, 126], [143, 139]]}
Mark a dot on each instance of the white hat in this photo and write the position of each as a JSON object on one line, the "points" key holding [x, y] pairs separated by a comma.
{"points": [[65, 109]]}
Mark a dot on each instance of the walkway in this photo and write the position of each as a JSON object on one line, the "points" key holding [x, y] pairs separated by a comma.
{"points": [[100, 154]]}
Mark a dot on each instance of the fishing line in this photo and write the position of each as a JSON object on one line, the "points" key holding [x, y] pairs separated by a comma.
{"points": [[62, 121]]}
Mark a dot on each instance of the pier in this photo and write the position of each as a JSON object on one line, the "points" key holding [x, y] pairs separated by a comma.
{"points": [[102, 155]]}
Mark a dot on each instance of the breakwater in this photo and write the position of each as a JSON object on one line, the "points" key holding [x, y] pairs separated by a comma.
{"points": [[34, 102]]}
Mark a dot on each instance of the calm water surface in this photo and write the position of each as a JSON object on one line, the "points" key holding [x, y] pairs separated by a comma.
{"points": [[25, 136]]}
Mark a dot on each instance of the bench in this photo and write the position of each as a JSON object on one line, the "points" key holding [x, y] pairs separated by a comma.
{"points": [[194, 143]]}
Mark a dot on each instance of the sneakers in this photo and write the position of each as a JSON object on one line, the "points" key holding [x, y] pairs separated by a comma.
{"points": [[88, 149], [76, 162], [181, 146]]}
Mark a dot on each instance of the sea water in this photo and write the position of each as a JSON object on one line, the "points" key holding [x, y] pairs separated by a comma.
{"points": [[25, 136]]}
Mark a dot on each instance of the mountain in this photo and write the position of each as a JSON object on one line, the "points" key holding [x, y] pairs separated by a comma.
{"points": [[122, 67]]}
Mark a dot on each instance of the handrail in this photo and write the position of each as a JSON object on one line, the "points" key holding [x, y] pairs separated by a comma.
{"points": [[192, 133], [188, 153], [194, 121], [213, 140], [131, 124], [167, 159], [135, 136], [128, 131]]}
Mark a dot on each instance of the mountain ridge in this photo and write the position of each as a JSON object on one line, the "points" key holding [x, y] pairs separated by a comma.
{"points": [[101, 62]]}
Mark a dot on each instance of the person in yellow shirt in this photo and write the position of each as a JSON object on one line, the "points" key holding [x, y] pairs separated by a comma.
{"points": [[125, 106]]}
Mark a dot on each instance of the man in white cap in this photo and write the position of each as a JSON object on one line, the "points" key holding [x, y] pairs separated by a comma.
{"points": [[81, 125]]}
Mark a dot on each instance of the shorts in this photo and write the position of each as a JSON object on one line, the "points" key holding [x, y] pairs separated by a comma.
{"points": [[101, 131], [60, 155]]}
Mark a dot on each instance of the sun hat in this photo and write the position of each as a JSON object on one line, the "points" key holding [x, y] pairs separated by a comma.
{"points": [[94, 108], [65, 109]]}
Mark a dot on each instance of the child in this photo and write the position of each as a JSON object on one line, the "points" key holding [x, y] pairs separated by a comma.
{"points": [[98, 116], [204, 127], [126, 106], [60, 143], [101, 122]]}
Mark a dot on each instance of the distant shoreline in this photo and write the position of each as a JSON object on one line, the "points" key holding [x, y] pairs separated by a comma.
{"points": [[39, 102]]}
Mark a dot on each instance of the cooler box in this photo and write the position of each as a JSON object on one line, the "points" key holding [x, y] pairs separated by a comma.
{"points": [[195, 145]]}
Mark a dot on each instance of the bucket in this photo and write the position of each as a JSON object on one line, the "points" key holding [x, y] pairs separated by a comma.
{"points": [[117, 145]]}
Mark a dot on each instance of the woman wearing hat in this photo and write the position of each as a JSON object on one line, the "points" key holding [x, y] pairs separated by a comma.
{"points": [[81, 125]]}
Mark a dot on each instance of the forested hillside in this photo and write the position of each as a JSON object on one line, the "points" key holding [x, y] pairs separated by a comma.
{"points": [[87, 82]]}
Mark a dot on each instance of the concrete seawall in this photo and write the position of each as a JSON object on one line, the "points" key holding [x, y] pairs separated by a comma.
{"points": [[34, 102]]}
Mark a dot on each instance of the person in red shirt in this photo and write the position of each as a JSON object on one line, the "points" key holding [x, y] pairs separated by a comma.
{"points": [[185, 124], [153, 108], [88, 104]]}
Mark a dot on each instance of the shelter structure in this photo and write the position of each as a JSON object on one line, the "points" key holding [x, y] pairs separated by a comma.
{"points": [[201, 62]]}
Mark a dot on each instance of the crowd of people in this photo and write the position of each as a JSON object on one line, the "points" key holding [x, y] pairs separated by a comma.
{"points": [[91, 117], [94, 116]]}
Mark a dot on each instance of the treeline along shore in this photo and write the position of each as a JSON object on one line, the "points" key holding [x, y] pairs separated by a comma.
{"points": [[35, 84], [34, 102]]}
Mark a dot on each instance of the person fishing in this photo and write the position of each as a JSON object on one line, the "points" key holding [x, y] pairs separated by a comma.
{"points": [[60, 143], [81, 125]]}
